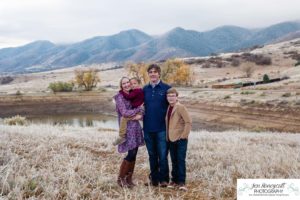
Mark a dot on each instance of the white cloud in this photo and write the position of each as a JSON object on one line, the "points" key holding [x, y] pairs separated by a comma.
{"points": [[74, 20]]}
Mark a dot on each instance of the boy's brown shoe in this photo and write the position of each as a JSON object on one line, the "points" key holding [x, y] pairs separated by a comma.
{"points": [[163, 184], [172, 185], [182, 187]]}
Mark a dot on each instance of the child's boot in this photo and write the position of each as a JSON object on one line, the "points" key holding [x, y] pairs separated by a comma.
{"points": [[119, 140]]}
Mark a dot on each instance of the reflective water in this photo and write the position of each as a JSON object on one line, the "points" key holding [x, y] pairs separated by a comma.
{"points": [[78, 120]]}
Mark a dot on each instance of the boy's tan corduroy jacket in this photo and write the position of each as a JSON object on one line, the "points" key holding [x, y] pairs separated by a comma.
{"points": [[180, 123]]}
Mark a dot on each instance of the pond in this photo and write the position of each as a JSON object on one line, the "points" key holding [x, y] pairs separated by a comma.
{"points": [[78, 120]]}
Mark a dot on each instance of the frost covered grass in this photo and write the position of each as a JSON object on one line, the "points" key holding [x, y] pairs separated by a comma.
{"points": [[219, 159], [64, 162]]}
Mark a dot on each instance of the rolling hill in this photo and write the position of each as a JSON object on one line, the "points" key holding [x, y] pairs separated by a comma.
{"points": [[135, 45]]}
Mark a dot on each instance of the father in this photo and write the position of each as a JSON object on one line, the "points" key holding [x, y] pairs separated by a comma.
{"points": [[156, 105]]}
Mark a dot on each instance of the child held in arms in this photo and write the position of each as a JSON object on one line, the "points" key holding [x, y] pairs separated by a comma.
{"points": [[136, 98]]}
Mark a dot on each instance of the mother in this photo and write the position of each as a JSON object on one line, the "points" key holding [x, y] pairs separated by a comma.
{"points": [[134, 135]]}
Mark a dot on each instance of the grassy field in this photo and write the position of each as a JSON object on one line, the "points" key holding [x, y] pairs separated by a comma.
{"points": [[63, 162]]}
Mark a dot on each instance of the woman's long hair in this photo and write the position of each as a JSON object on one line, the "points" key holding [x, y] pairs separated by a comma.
{"points": [[120, 84]]}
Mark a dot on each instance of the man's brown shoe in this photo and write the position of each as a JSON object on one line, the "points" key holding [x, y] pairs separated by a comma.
{"points": [[172, 185], [163, 184]]}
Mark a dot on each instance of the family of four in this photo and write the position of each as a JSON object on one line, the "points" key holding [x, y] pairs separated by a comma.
{"points": [[166, 126]]}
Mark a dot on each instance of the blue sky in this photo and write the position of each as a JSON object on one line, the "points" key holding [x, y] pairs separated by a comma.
{"points": [[65, 21]]}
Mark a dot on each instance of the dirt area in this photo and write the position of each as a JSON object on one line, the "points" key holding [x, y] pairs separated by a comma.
{"points": [[209, 115], [61, 103], [249, 117]]}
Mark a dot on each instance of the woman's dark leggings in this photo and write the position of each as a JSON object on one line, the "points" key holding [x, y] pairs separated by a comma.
{"points": [[131, 156]]}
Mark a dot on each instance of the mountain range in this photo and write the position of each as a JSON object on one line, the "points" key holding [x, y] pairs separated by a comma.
{"points": [[135, 45]]}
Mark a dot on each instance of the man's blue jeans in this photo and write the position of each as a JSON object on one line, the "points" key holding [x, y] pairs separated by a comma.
{"points": [[157, 148], [178, 154]]}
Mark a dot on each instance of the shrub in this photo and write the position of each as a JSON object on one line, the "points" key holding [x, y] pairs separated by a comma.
{"points": [[297, 63], [220, 64], [6, 79], [206, 65], [16, 120], [266, 78], [296, 56], [215, 62], [293, 54], [235, 62], [61, 86], [194, 61], [18, 93], [287, 94], [247, 92], [227, 97], [263, 60], [87, 78], [258, 59], [258, 129], [102, 89], [263, 94]]}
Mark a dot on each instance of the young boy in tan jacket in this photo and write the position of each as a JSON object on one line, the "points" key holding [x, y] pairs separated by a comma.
{"points": [[178, 124]]}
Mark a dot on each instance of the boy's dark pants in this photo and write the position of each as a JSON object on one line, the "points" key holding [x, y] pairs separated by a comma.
{"points": [[178, 154]]}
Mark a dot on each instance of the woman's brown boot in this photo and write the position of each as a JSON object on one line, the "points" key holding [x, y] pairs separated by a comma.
{"points": [[129, 174], [123, 174]]}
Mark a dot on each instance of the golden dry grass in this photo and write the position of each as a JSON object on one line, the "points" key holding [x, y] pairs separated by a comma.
{"points": [[62, 162]]}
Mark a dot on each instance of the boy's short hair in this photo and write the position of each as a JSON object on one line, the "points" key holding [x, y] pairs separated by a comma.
{"points": [[137, 79], [154, 66], [172, 91]]}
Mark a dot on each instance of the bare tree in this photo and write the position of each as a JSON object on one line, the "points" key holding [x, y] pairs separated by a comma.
{"points": [[248, 68]]}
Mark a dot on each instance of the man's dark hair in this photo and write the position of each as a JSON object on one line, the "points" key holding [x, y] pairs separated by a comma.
{"points": [[154, 66]]}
